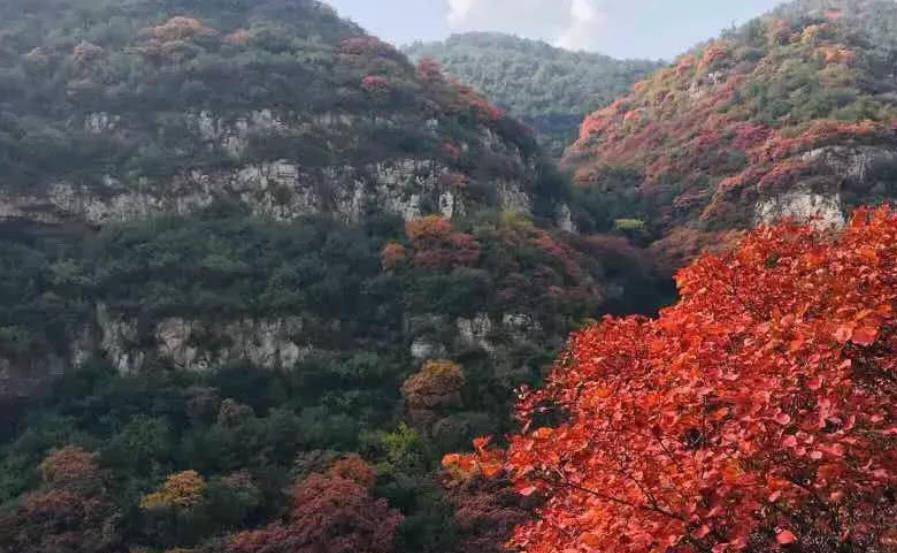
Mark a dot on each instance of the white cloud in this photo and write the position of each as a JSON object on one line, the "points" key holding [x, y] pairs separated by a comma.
{"points": [[458, 11], [573, 24], [586, 22]]}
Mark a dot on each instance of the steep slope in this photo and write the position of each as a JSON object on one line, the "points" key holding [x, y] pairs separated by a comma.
{"points": [[548, 88], [115, 110], [243, 240], [790, 115], [120, 113]]}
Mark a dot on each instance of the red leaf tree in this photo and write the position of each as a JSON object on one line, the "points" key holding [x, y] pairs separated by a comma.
{"points": [[333, 512], [71, 512], [438, 246], [759, 413]]}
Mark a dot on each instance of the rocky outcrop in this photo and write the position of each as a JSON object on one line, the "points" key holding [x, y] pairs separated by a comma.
{"points": [[202, 345], [857, 172], [823, 211], [861, 169], [279, 190], [436, 337], [282, 189]]}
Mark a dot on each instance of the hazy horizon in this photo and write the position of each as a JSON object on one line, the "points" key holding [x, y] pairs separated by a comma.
{"points": [[656, 29]]}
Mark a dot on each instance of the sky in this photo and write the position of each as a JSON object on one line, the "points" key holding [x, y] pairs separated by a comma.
{"points": [[657, 29]]}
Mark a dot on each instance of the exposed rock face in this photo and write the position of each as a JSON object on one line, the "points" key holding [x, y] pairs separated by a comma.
{"points": [[281, 189], [197, 345], [862, 169], [824, 211], [857, 171], [495, 336]]}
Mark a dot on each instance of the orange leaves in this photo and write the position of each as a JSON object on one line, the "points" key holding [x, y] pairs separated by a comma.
{"points": [[714, 55], [864, 336], [438, 246], [763, 385], [393, 256], [836, 54], [179, 28], [786, 537], [183, 490], [488, 464], [468, 99]]}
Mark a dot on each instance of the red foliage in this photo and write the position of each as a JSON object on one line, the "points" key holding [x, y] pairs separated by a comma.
{"points": [[837, 54], [784, 174], [595, 123], [713, 55], [367, 46], [330, 513], [834, 15], [451, 151], [430, 71], [760, 412], [70, 513], [486, 513], [686, 65], [779, 32], [819, 133], [178, 29], [70, 467], [393, 256], [354, 468], [749, 135], [375, 84], [437, 245], [467, 99], [454, 181]]}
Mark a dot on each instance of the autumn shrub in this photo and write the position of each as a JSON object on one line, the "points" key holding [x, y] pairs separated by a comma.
{"points": [[183, 490], [758, 413], [393, 256], [434, 389], [71, 512], [438, 246], [331, 514], [354, 468]]}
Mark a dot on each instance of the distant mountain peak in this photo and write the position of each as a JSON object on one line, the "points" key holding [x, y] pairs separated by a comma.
{"points": [[547, 87]]}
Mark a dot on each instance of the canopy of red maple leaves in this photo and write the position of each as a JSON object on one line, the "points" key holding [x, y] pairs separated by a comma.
{"points": [[758, 413]]}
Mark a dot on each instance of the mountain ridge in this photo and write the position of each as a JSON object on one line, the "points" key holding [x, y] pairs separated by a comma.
{"points": [[549, 88], [781, 117]]}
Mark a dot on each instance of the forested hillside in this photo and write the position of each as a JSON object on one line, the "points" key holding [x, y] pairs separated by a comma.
{"points": [[548, 88], [258, 272], [792, 114]]}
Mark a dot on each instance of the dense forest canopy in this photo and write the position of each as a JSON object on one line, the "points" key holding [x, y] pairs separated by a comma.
{"points": [[549, 88]]}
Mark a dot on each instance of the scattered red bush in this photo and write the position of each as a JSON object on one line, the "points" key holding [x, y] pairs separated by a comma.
{"points": [[330, 513], [437, 246]]}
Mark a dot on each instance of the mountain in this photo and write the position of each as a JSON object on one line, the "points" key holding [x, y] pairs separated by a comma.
{"points": [[118, 110], [793, 114], [548, 88], [245, 242]]}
